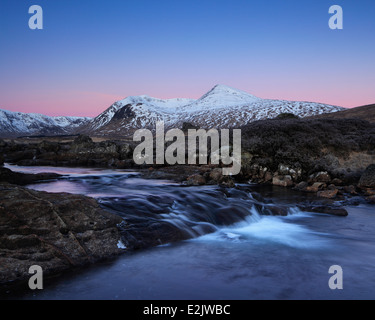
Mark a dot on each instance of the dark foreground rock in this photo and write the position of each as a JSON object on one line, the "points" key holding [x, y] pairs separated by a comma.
{"points": [[54, 231], [22, 179], [326, 209]]}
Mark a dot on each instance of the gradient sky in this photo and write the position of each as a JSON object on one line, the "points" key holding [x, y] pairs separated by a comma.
{"points": [[94, 52]]}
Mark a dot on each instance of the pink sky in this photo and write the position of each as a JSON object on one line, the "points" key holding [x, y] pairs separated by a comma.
{"points": [[90, 104]]}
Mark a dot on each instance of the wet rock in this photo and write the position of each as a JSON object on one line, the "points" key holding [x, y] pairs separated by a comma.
{"points": [[329, 194], [371, 199], [216, 174], [367, 179], [331, 210], [9, 176], [229, 215], [316, 187], [196, 180], [146, 234], [369, 192], [350, 189], [274, 211], [227, 181], [55, 231], [301, 186]]}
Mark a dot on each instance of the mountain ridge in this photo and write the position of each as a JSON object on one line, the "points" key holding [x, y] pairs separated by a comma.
{"points": [[220, 107]]}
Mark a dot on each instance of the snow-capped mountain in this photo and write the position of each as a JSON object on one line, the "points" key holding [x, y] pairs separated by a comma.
{"points": [[14, 124], [221, 107]]}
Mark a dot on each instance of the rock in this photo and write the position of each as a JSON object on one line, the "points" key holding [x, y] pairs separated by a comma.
{"points": [[367, 179], [322, 176], [285, 170], [9, 176], [371, 199], [337, 182], [216, 174], [54, 231], [350, 189], [268, 176], [196, 180], [227, 181], [1, 160], [330, 194], [370, 192], [282, 181], [301, 186], [316, 187], [336, 211], [125, 151], [274, 211]]}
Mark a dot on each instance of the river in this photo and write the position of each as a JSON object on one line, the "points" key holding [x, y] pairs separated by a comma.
{"points": [[241, 255]]}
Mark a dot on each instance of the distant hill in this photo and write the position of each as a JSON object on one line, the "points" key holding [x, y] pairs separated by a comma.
{"points": [[363, 113]]}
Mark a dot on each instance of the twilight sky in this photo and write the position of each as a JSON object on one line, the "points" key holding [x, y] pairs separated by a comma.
{"points": [[94, 52]]}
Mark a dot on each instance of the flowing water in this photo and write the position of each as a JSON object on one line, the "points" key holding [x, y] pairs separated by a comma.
{"points": [[236, 251]]}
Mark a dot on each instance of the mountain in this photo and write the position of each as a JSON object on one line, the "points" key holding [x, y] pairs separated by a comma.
{"points": [[363, 112], [15, 124], [221, 107]]}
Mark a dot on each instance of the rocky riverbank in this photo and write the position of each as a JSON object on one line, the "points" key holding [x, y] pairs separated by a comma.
{"points": [[55, 231]]}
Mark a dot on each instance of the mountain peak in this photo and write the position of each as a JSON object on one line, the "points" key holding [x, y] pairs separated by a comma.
{"points": [[225, 95], [226, 90]]}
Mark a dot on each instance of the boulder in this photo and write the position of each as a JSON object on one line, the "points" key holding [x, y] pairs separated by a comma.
{"points": [[9, 176], [322, 176], [350, 189], [329, 194], [367, 179], [301, 186], [282, 181], [226, 181], [216, 174], [316, 187], [125, 151], [370, 192], [196, 180], [55, 231], [371, 199], [331, 210]]}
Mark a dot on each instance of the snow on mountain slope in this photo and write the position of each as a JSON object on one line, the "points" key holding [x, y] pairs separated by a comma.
{"points": [[221, 107], [14, 124], [144, 106]]}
